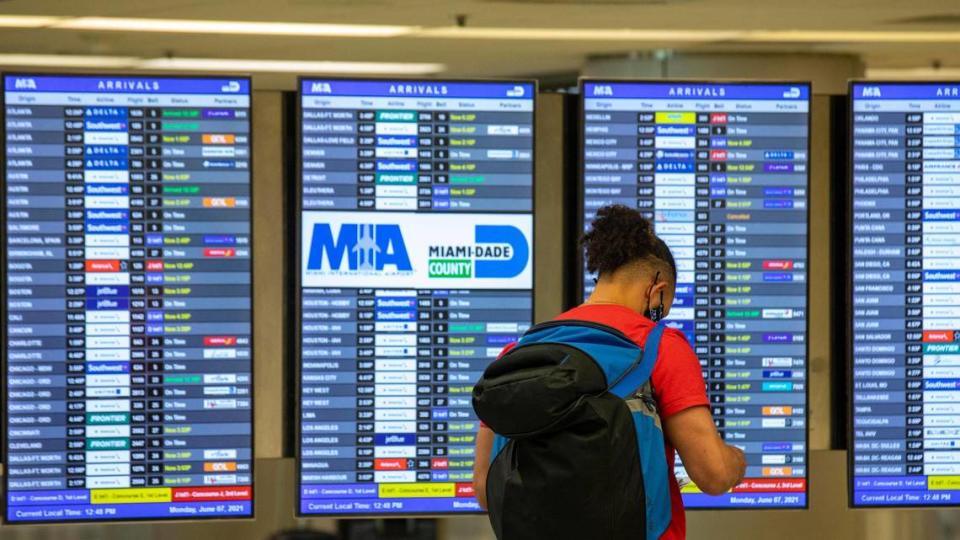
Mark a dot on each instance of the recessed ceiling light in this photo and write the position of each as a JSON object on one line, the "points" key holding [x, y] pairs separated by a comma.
{"points": [[917, 73], [844, 36], [658, 35], [290, 66], [26, 21], [190, 26], [576, 34], [236, 65], [68, 60]]}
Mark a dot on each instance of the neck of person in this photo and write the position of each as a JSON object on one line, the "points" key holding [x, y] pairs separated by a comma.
{"points": [[617, 292]]}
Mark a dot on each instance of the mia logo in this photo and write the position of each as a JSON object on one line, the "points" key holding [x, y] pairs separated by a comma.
{"points": [[602, 90], [320, 87], [420, 251], [25, 84], [366, 248], [871, 91]]}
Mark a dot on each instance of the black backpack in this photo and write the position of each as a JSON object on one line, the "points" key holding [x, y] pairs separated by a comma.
{"points": [[579, 452]]}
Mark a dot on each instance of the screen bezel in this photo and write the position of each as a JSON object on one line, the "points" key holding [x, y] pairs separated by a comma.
{"points": [[5, 285], [297, 226], [580, 197]]}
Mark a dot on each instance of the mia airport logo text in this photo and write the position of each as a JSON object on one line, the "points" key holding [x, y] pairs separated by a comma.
{"points": [[365, 249]]}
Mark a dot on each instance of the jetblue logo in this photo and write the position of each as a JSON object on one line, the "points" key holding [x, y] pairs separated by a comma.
{"points": [[364, 248], [25, 84]]}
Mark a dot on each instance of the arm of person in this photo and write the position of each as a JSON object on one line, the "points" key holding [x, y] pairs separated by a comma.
{"points": [[712, 464], [481, 464]]}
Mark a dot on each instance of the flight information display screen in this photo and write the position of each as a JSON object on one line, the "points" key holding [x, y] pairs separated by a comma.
{"points": [[905, 396], [722, 171], [127, 278], [416, 268]]}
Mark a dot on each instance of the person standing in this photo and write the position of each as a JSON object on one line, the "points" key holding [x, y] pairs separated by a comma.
{"points": [[635, 289]]}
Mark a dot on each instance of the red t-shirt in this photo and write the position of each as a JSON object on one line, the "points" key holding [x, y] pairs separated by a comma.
{"points": [[677, 381]]}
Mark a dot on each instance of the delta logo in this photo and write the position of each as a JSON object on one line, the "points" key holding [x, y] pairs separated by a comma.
{"points": [[497, 251]]}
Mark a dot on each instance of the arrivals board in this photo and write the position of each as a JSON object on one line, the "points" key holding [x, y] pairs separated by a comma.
{"points": [[722, 171], [415, 270], [905, 253], [127, 279]]}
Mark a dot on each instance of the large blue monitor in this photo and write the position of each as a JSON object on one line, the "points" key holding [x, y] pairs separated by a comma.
{"points": [[904, 447], [722, 171], [127, 277], [415, 267]]}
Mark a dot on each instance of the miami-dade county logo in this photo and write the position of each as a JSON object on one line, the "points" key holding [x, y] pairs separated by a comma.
{"points": [[497, 251]]}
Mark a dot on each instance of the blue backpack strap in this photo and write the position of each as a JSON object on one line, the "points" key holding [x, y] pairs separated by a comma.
{"points": [[612, 350], [638, 374]]}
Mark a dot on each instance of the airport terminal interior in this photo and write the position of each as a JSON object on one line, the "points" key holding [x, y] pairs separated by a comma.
{"points": [[256, 255]]}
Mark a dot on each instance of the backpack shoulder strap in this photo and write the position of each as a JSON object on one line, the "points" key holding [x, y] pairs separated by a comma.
{"points": [[639, 373]]}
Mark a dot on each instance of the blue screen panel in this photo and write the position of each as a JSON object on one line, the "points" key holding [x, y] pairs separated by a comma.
{"points": [[127, 279], [905, 372], [722, 171], [415, 270]]}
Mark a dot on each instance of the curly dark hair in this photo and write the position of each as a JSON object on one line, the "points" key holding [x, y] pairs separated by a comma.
{"points": [[620, 236]]}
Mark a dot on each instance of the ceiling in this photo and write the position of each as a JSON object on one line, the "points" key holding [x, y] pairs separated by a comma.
{"points": [[509, 56]]}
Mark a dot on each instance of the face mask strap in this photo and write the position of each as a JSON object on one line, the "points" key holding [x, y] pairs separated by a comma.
{"points": [[655, 314]]}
